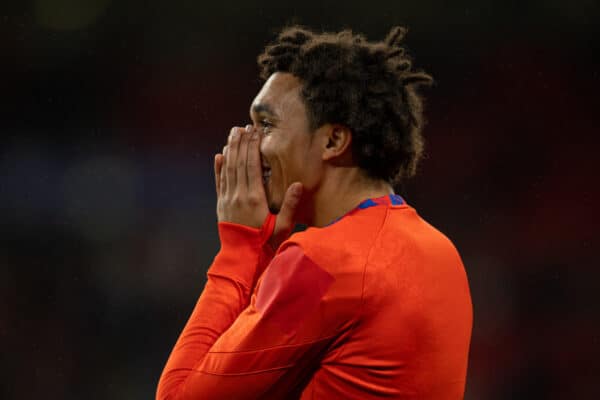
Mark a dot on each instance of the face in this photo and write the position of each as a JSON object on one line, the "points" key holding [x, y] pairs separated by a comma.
{"points": [[290, 152]]}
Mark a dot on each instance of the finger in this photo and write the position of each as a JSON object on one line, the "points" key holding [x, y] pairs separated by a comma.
{"points": [[242, 159], [254, 167], [223, 175], [232, 155], [218, 167], [285, 218]]}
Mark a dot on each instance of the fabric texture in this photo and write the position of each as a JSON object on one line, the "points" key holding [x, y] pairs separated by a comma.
{"points": [[374, 305]]}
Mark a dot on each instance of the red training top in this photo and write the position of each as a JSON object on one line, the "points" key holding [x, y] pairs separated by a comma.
{"points": [[374, 305]]}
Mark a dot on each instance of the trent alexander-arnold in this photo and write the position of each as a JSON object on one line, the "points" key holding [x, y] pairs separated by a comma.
{"points": [[370, 301]]}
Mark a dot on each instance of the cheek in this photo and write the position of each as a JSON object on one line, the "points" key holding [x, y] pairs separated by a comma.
{"points": [[288, 159], [272, 151], [270, 146], [310, 170], [291, 163]]}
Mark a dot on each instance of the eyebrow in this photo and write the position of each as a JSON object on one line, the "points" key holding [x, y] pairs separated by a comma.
{"points": [[262, 108]]}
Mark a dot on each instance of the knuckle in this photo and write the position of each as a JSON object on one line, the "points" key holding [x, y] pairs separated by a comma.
{"points": [[253, 199], [235, 200]]}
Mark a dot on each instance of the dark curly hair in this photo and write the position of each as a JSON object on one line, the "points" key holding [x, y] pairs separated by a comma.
{"points": [[370, 87]]}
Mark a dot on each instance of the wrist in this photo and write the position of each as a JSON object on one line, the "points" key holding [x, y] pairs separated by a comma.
{"points": [[242, 249]]}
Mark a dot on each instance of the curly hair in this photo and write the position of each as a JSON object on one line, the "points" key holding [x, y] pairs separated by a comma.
{"points": [[370, 87]]}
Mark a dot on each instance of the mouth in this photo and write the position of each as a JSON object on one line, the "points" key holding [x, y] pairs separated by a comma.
{"points": [[266, 173]]}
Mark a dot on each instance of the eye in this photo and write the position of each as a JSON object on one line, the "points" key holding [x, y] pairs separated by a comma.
{"points": [[266, 125]]}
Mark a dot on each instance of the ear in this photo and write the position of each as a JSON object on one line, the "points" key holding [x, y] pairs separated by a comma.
{"points": [[337, 141]]}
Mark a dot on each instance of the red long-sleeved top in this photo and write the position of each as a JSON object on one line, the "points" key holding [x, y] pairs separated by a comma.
{"points": [[375, 305]]}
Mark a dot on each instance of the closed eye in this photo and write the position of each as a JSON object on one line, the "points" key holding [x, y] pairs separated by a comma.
{"points": [[266, 125]]}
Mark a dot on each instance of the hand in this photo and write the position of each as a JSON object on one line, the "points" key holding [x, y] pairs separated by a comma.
{"points": [[241, 197]]}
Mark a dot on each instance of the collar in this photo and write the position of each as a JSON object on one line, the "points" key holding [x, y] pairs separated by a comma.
{"points": [[390, 199]]}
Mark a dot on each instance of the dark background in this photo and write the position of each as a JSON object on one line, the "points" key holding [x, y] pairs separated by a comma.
{"points": [[110, 115]]}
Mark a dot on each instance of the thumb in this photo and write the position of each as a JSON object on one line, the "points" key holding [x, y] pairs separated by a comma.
{"points": [[285, 218]]}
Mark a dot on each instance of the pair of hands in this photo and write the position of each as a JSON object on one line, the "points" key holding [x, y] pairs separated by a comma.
{"points": [[241, 197]]}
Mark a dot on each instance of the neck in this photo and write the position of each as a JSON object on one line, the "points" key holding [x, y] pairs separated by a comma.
{"points": [[340, 192]]}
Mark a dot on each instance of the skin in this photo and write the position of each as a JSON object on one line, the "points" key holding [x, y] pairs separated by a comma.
{"points": [[313, 177]]}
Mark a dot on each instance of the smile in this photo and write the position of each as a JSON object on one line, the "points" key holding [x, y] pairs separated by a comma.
{"points": [[266, 175]]}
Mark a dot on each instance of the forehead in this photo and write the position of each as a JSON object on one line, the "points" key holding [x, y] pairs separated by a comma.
{"points": [[281, 92]]}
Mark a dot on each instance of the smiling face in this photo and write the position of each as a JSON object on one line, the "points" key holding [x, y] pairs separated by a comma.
{"points": [[290, 152]]}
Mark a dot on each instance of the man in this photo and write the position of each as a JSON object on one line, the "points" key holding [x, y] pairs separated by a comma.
{"points": [[370, 301]]}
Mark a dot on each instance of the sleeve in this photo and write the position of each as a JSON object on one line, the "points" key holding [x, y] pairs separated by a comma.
{"points": [[244, 345]]}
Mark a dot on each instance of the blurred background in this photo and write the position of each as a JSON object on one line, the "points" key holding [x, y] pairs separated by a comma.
{"points": [[111, 112]]}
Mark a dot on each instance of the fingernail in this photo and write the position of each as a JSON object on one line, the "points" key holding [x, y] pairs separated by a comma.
{"points": [[297, 189]]}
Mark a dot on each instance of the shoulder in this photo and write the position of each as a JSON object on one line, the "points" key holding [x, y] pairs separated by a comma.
{"points": [[330, 262], [300, 294], [344, 245]]}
